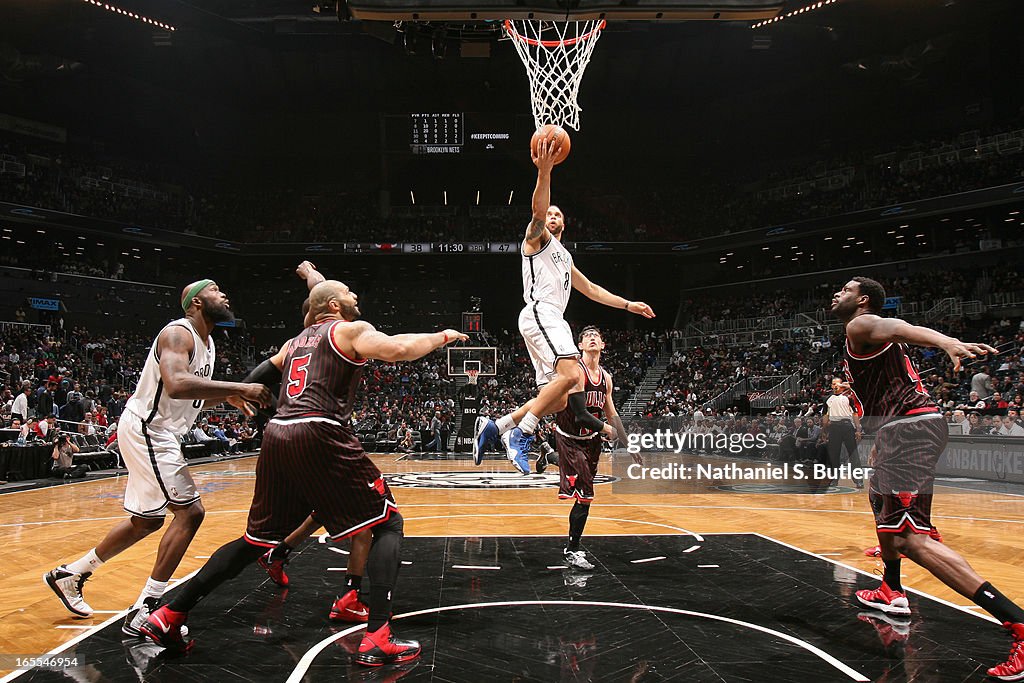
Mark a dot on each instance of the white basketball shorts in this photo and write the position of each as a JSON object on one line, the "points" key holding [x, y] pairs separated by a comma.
{"points": [[548, 338], [157, 472]]}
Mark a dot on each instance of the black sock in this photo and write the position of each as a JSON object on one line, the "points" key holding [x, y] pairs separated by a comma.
{"points": [[280, 552], [382, 567], [577, 520], [380, 607], [225, 564], [892, 574], [998, 605], [353, 582]]}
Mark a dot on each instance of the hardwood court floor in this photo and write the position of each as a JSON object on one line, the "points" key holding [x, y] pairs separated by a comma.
{"points": [[41, 528]]}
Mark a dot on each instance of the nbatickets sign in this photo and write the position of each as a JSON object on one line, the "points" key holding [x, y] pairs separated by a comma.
{"points": [[481, 480]]}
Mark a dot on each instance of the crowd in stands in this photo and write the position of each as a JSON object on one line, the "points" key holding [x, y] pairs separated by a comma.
{"points": [[82, 381], [101, 186], [710, 312], [986, 398]]}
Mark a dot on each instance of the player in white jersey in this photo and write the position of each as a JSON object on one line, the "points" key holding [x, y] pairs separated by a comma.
{"points": [[548, 275], [174, 384]]}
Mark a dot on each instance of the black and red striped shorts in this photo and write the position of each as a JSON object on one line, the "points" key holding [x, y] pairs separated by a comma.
{"points": [[577, 467], [315, 464], [903, 479]]}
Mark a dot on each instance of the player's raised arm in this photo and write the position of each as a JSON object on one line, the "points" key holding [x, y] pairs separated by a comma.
{"points": [[872, 330], [175, 345], [602, 296], [367, 342], [536, 232], [308, 272]]}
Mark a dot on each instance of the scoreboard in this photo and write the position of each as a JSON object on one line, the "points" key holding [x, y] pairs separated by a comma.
{"points": [[436, 129], [456, 132], [460, 248]]}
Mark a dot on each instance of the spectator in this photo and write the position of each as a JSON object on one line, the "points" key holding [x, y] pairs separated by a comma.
{"points": [[88, 425], [959, 425], [47, 429], [19, 409], [1010, 428], [981, 382], [436, 445], [44, 405], [977, 428], [72, 412]]}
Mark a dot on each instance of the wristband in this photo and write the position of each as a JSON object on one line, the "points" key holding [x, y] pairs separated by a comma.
{"points": [[445, 337], [627, 305]]}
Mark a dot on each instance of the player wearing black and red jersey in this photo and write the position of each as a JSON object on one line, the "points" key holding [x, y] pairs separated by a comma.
{"points": [[910, 436], [578, 429], [311, 460]]}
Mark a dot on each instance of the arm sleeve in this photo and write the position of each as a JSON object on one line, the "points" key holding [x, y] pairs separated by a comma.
{"points": [[578, 403], [266, 373]]}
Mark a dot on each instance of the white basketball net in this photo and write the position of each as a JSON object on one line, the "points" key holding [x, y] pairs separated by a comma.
{"points": [[555, 55]]}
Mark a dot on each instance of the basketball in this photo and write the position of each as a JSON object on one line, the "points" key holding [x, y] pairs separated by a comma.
{"points": [[548, 131]]}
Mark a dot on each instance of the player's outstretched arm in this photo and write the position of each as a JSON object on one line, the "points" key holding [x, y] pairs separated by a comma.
{"points": [[602, 296], [873, 330], [367, 342], [175, 344], [267, 373], [536, 232]]}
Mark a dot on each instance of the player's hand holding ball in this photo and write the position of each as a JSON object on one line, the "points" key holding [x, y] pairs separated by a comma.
{"points": [[549, 146]]}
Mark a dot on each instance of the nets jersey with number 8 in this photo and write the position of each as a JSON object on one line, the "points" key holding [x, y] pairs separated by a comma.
{"points": [[318, 379], [547, 275], [151, 404]]}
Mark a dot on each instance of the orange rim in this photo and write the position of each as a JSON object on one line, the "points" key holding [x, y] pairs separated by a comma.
{"points": [[510, 29]]}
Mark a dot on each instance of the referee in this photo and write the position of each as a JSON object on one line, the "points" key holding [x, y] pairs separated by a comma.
{"points": [[843, 424]]}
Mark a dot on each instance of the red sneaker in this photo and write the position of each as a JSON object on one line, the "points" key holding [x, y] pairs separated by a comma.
{"points": [[275, 569], [381, 647], [164, 627], [1013, 668], [349, 608], [885, 599]]}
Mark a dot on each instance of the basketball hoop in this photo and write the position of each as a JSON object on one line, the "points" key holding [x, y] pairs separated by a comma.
{"points": [[555, 55], [473, 376]]}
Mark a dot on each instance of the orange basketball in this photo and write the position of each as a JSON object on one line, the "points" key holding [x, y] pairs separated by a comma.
{"points": [[549, 131]]}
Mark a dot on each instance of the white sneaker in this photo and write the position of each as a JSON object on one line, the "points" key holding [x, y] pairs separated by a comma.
{"points": [[68, 587], [510, 451], [577, 559], [131, 624]]}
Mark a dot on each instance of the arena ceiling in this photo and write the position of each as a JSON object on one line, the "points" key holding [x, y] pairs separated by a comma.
{"points": [[861, 66]]}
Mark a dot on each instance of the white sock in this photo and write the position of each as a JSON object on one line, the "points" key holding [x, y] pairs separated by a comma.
{"points": [[89, 562], [505, 423], [152, 589], [529, 423]]}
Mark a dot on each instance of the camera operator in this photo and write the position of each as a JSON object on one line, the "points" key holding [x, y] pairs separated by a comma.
{"points": [[63, 453]]}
